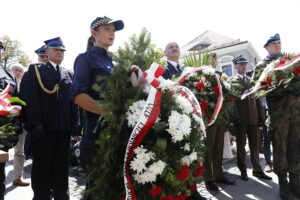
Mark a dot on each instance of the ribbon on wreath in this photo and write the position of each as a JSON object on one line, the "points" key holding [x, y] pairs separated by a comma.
{"points": [[146, 120], [270, 68], [220, 95], [151, 112], [5, 105]]}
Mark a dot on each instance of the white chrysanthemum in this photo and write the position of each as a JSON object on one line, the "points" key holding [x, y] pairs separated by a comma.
{"points": [[145, 174], [193, 157], [134, 112], [226, 85], [138, 178], [145, 157], [184, 104], [157, 168], [137, 165], [140, 150], [185, 160], [209, 71], [148, 177], [165, 83], [179, 126], [187, 147]]}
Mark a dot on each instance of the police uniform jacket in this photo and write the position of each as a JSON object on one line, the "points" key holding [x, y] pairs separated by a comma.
{"points": [[87, 67], [53, 111]]}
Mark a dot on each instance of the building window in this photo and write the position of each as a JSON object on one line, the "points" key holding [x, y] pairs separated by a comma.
{"points": [[227, 69]]}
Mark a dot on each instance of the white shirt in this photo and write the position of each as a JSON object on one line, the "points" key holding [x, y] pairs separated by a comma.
{"points": [[54, 65], [173, 63]]}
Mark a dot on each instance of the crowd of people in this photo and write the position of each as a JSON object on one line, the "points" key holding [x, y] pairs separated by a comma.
{"points": [[54, 97]]}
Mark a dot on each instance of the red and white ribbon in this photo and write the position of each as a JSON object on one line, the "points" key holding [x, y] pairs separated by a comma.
{"points": [[270, 68], [5, 105], [220, 99], [146, 120]]}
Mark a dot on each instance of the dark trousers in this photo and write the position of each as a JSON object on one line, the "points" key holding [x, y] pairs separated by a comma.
{"points": [[50, 166], [266, 142], [2, 180], [86, 158], [251, 132], [214, 156]]}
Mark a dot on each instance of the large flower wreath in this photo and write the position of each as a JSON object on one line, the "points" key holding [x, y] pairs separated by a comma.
{"points": [[279, 76], [214, 93], [165, 151]]}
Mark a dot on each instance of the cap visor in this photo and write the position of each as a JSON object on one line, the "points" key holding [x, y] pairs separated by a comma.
{"points": [[119, 24]]}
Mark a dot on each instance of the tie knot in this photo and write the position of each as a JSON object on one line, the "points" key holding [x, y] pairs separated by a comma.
{"points": [[57, 68]]}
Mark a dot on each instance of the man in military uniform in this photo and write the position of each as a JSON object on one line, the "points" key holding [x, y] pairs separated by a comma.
{"points": [[214, 156], [49, 118], [284, 111], [5, 79], [42, 58], [172, 52], [248, 116]]}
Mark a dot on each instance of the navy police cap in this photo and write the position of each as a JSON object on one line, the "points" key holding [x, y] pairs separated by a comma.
{"points": [[41, 50], [272, 39], [56, 43], [119, 25], [1, 45], [240, 59]]}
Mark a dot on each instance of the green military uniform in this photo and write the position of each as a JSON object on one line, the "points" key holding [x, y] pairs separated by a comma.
{"points": [[284, 111]]}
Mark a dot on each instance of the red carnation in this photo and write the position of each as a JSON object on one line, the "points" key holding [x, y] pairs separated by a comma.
{"points": [[183, 173], [200, 170], [216, 90], [193, 187], [264, 85], [269, 80], [296, 70], [155, 191], [286, 57], [181, 197], [203, 105], [200, 85], [167, 198], [282, 61]]}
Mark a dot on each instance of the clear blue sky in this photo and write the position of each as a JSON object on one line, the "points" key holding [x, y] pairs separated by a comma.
{"points": [[33, 21]]}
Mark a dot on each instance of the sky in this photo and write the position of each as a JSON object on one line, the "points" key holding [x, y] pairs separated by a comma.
{"points": [[33, 21]]}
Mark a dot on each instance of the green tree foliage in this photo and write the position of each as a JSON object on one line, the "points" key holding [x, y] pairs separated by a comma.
{"points": [[13, 53], [139, 51], [116, 95]]}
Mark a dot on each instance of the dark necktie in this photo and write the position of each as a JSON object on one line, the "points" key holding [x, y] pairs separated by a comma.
{"points": [[57, 72], [178, 68]]}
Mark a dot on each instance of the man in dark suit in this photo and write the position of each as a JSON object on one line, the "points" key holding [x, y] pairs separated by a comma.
{"points": [[173, 69], [248, 116], [49, 118], [172, 52]]}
